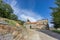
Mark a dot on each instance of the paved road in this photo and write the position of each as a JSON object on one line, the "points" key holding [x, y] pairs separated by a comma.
{"points": [[52, 34], [31, 35], [35, 35], [46, 37]]}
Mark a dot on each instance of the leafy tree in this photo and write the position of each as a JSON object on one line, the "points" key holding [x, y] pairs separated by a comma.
{"points": [[6, 11], [56, 14], [13, 17], [20, 22]]}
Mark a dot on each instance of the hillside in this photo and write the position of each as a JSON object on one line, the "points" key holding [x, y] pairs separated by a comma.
{"points": [[10, 27], [9, 22], [12, 30]]}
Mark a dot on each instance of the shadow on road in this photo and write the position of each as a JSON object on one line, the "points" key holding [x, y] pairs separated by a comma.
{"points": [[50, 33]]}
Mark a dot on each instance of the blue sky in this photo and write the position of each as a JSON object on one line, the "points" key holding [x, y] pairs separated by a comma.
{"points": [[32, 9]]}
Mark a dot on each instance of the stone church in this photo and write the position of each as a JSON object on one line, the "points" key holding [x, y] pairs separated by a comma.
{"points": [[40, 24]]}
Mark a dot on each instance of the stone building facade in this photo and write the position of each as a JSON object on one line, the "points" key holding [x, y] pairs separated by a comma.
{"points": [[40, 24]]}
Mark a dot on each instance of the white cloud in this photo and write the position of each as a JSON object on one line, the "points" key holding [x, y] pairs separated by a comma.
{"points": [[23, 14], [28, 17]]}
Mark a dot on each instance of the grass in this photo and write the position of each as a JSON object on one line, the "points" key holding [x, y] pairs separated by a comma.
{"points": [[57, 31], [11, 22]]}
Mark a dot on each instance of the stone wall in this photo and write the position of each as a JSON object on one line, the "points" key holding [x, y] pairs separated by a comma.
{"points": [[41, 24]]}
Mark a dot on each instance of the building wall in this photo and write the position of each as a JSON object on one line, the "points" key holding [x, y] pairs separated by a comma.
{"points": [[42, 24]]}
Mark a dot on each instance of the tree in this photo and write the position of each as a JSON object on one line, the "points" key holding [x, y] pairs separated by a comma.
{"points": [[20, 22], [56, 14], [28, 20], [13, 17], [6, 11]]}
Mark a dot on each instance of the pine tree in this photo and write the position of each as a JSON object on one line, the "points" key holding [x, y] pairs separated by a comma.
{"points": [[56, 14]]}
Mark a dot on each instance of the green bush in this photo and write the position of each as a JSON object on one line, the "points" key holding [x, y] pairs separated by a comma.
{"points": [[57, 31], [11, 22]]}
